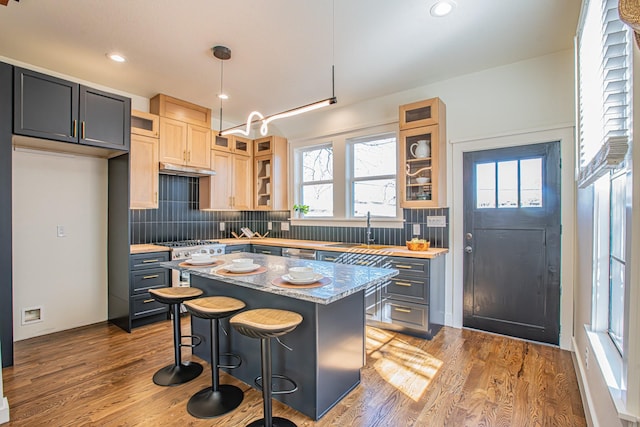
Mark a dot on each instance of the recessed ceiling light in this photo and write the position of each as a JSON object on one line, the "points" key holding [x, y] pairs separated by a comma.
{"points": [[442, 8], [116, 57], [223, 96]]}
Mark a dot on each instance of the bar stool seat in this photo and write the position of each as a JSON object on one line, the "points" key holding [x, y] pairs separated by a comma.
{"points": [[179, 372], [264, 324], [218, 399]]}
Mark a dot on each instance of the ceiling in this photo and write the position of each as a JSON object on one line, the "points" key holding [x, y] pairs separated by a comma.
{"points": [[282, 50]]}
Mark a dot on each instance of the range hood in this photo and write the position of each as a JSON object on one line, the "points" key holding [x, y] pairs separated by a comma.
{"points": [[174, 169]]}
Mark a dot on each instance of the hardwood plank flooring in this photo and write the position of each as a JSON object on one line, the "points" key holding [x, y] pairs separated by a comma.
{"points": [[99, 375]]}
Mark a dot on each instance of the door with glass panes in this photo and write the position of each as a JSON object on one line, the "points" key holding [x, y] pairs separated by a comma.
{"points": [[512, 241]]}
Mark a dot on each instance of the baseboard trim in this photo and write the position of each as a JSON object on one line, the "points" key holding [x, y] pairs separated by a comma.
{"points": [[583, 385], [4, 411]]}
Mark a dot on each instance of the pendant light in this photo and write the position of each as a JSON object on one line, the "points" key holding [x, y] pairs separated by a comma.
{"points": [[257, 117], [223, 53]]}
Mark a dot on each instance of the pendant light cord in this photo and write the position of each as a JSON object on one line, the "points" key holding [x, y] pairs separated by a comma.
{"points": [[220, 94]]}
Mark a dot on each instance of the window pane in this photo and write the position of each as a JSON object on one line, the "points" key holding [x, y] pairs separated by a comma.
{"points": [[508, 184], [376, 196], [616, 303], [374, 158], [618, 200], [317, 165], [531, 183], [319, 197], [485, 185]]}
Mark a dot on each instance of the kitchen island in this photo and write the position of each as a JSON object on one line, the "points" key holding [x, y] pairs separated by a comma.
{"points": [[326, 351]]}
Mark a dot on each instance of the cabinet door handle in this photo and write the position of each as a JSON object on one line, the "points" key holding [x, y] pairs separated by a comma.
{"points": [[75, 128], [403, 284], [147, 301], [266, 252], [328, 258], [150, 260], [408, 267], [83, 129], [402, 310], [155, 197], [184, 156], [151, 276]]}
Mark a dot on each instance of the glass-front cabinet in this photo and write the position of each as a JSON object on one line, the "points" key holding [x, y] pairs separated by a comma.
{"points": [[422, 156]]}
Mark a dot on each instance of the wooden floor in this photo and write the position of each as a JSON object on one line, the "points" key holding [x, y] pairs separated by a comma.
{"points": [[101, 376]]}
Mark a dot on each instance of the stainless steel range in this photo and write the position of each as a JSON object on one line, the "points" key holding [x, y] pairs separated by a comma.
{"points": [[183, 249]]}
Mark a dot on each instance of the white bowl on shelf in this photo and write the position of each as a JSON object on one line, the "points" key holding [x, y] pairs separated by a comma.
{"points": [[422, 180]]}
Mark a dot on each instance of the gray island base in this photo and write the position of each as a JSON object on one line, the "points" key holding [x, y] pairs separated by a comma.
{"points": [[327, 349]]}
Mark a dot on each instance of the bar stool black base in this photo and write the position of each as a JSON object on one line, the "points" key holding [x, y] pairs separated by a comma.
{"points": [[277, 422], [210, 404], [177, 374]]}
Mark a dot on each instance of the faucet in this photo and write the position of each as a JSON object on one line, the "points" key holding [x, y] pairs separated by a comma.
{"points": [[369, 238]]}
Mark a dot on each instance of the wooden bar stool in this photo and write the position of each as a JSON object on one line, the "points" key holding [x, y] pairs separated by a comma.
{"points": [[178, 373], [267, 323], [218, 399]]}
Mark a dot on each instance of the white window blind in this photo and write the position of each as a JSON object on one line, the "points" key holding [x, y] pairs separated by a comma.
{"points": [[604, 76]]}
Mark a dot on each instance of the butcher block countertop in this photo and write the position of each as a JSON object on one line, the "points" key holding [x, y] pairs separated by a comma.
{"points": [[400, 251], [147, 248]]}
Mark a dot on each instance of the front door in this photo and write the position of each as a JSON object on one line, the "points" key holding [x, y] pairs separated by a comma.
{"points": [[512, 241]]}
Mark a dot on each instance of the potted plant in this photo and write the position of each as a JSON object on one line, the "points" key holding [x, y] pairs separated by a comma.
{"points": [[300, 210]]}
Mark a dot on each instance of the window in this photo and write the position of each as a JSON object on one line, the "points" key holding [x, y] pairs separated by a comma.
{"points": [[347, 175], [604, 63], [373, 181], [518, 184], [317, 180]]}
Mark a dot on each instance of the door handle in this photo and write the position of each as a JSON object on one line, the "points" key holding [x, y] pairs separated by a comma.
{"points": [[468, 249]]}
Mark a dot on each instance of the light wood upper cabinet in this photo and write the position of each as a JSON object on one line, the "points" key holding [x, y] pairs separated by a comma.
{"points": [[145, 124], [232, 144], [173, 141], [231, 187], [184, 144], [198, 146], [421, 113], [144, 172], [185, 131], [270, 171], [422, 156]]}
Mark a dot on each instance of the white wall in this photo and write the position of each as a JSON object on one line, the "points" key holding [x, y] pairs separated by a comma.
{"points": [[537, 94], [66, 276]]}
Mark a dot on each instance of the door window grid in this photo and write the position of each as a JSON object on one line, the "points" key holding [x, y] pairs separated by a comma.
{"points": [[509, 184], [617, 264]]}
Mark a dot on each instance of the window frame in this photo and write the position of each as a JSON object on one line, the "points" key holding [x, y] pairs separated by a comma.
{"points": [[350, 178], [342, 195], [300, 153]]}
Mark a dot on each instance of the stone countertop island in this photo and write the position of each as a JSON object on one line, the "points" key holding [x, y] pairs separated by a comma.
{"points": [[327, 348]]}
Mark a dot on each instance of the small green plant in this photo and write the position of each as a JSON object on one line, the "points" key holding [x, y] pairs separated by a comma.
{"points": [[303, 209]]}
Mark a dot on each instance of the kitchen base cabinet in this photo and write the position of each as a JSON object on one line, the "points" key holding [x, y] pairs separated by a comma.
{"points": [[138, 307], [266, 250], [234, 249], [411, 302]]}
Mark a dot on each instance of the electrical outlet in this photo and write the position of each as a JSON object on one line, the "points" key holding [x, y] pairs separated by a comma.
{"points": [[60, 231], [586, 357], [222, 226], [436, 221], [284, 226], [269, 225], [416, 229]]}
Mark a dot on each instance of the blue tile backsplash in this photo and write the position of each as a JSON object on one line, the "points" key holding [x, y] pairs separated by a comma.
{"points": [[178, 218]]}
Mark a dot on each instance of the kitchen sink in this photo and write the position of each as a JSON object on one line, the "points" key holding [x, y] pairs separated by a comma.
{"points": [[356, 246]]}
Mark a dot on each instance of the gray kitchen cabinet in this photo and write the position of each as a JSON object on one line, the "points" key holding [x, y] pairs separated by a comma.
{"points": [[266, 250], [407, 302], [133, 305], [51, 108], [234, 249], [373, 295], [6, 265]]}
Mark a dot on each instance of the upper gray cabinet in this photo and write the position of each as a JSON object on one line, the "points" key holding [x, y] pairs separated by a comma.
{"points": [[52, 108]]}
